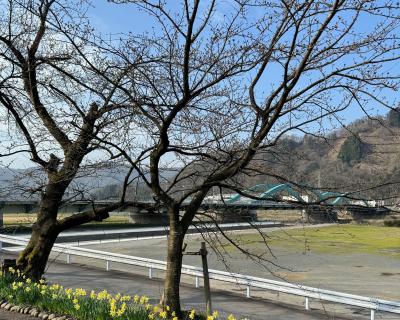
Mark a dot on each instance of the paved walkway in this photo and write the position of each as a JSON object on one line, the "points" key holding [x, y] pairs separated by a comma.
{"points": [[7, 315], [91, 278], [115, 281]]}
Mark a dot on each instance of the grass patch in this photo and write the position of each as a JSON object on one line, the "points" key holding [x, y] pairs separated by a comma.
{"points": [[333, 239], [22, 222]]}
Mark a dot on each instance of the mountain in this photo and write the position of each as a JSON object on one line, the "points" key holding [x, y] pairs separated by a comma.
{"points": [[364, 154], [99, 183]]}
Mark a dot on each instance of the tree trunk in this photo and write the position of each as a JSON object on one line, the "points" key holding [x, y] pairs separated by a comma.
{"points": [[33, 259], [173, 272]]}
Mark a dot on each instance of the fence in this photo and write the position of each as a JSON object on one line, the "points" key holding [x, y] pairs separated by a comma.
{"points": [[248, 281]]}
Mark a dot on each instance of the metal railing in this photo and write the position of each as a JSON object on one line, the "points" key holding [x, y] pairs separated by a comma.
{"points": [[249, 282]]}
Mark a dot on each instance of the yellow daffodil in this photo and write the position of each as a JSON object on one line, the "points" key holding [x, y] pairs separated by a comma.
{"points": [[191, 314], [125, 298], [122, 310], [102, 295], [80, 292], [144, 299], [113, 308]]}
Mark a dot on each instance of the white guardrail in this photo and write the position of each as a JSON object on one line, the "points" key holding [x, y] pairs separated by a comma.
{"points": [[250, 282]]}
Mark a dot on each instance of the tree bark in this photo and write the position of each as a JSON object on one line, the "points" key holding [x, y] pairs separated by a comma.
{"points": [[33, 259], [174, 265]]}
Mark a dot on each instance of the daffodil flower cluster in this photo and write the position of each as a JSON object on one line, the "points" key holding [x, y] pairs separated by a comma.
{"points": [[80, 304]]}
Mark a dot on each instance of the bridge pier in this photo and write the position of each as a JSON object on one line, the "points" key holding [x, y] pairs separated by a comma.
{"points": [[231, 214], [319, 214], [148, 217]]}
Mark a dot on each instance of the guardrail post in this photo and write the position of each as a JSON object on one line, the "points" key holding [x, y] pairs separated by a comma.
{"points": [[248, 291], [108, 265], [307, 303], [207, 291], [68, 258], [372, 314], [150, 272], [197, 282]]}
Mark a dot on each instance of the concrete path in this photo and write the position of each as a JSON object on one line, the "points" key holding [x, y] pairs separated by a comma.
{"points": [[90, 278], [7, 315], [226, 303]]}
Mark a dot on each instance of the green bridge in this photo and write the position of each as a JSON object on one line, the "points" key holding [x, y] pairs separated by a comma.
{"points": [[290, 193]]}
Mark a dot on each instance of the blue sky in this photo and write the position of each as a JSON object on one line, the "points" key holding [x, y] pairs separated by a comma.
{"points": [[113, 19]]}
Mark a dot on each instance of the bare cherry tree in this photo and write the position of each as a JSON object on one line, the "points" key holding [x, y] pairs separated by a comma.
{"points": [[234, 77], [58, 94]]}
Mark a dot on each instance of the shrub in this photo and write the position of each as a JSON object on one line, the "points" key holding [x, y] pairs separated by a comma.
{"points": [[392, 223]]}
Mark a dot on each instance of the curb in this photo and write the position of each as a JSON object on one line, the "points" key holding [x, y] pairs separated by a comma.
{"points": [[32, 311]]}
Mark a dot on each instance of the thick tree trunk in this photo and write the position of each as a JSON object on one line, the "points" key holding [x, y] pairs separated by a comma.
{"points": [[33, 259], [173, 272]]}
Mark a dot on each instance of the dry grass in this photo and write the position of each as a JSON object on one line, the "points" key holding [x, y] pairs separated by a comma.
{"points": [[12, 219], [339, 239]]}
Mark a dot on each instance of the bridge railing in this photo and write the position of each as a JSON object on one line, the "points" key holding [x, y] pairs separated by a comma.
{"points": [[249, 282]]}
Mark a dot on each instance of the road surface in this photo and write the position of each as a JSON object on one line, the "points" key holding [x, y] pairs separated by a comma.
{"points": [[90, 278]]}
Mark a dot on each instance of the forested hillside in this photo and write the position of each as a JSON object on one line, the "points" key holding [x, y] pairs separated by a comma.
{"points": [[364, 154]]}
